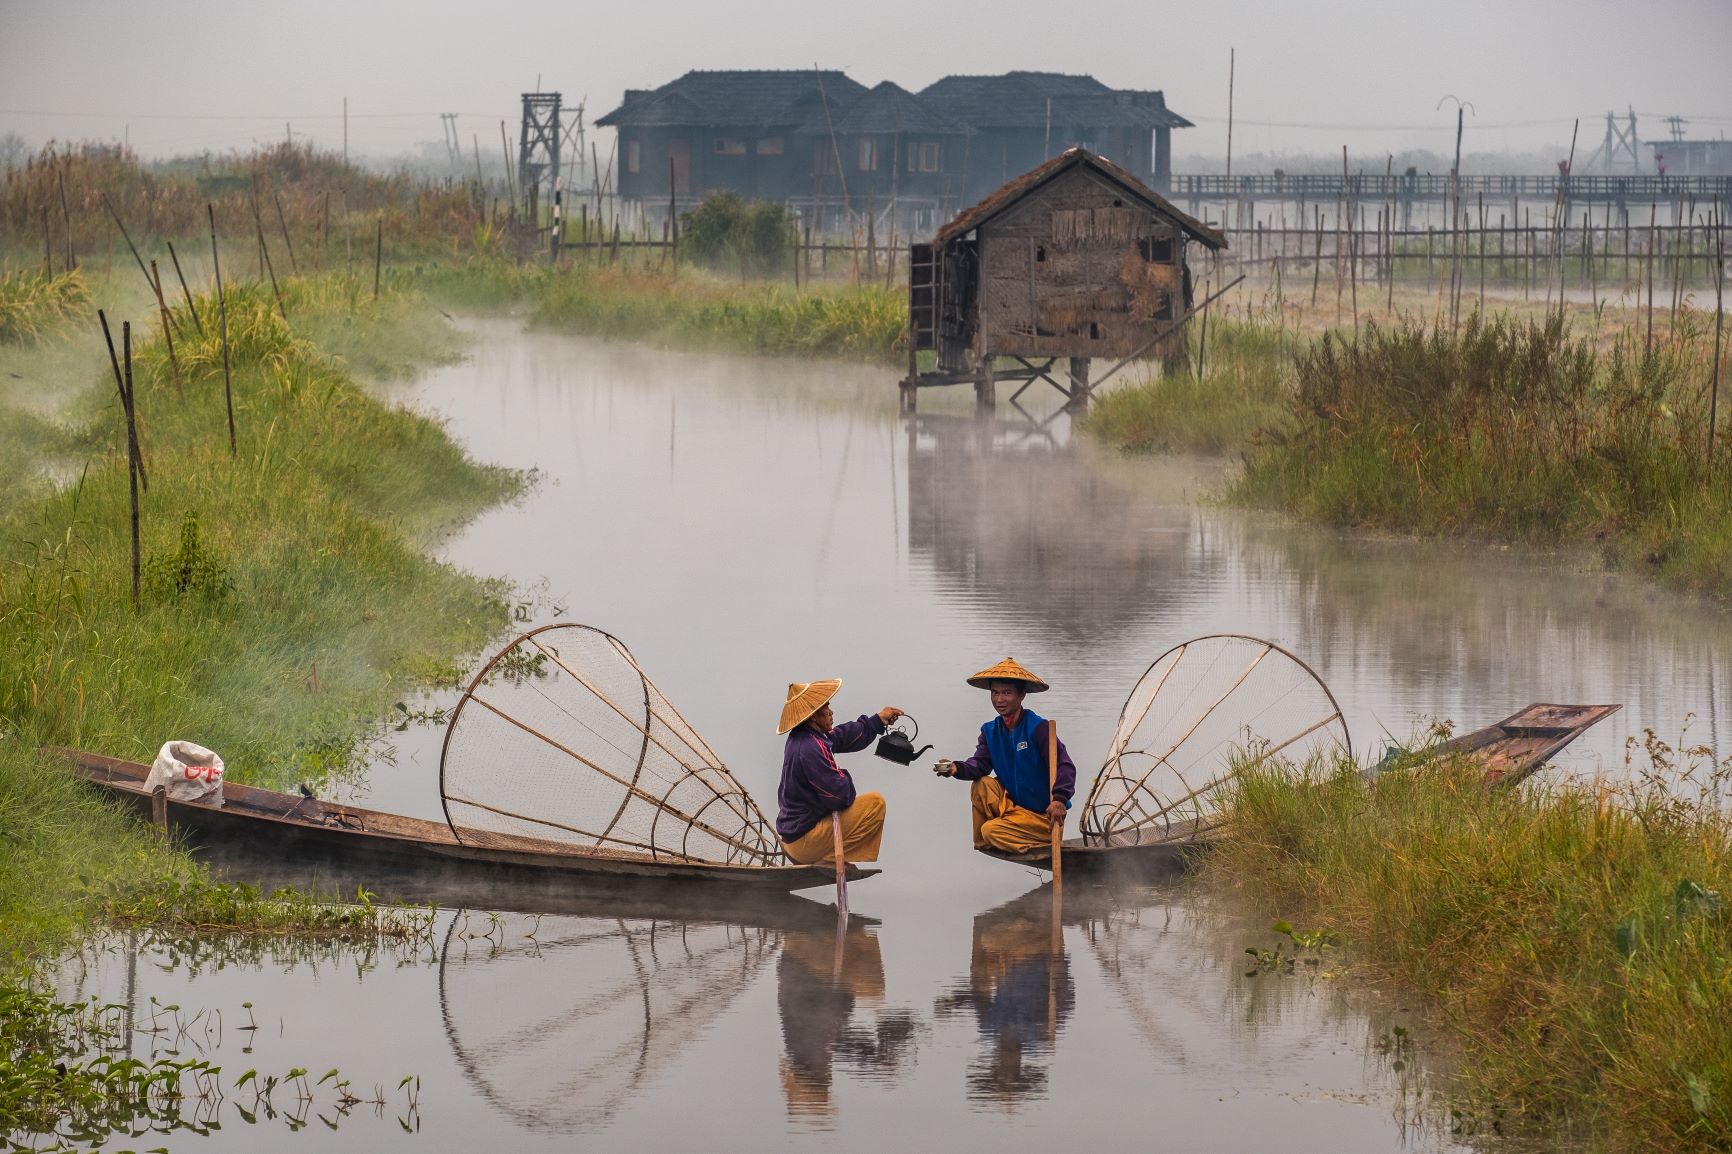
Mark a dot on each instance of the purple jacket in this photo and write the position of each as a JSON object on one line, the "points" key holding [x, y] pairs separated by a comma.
{"points": [[813, 785], [980, 765]]}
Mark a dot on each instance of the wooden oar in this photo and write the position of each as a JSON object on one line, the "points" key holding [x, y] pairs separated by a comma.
{"points": [[1057, 826], [841, 866]]}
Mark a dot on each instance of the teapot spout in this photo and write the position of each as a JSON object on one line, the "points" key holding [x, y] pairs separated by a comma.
{"points": [[918, 752]]}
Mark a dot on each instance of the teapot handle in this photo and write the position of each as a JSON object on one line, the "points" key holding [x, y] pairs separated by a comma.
{"points": [[909, 718]]}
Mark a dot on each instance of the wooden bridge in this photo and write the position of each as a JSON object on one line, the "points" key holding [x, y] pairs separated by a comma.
{"points": [[1367, 187]]}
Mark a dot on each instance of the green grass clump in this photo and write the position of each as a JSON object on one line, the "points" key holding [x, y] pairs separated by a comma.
{"points": [[1510, 429], [32, 304], [1578, 941], [856, 322], [1246, 388]]}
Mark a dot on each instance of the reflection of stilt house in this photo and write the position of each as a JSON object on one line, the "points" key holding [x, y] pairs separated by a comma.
{"points": [[1075, 259]]}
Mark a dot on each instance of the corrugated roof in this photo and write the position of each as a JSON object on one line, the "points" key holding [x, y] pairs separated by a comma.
{"points": [[1012, 191], [739, 98], [887, 108]]}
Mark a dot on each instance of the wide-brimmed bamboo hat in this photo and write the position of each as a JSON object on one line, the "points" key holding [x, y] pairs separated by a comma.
{"points": [[804, 699], [1008, 670]]}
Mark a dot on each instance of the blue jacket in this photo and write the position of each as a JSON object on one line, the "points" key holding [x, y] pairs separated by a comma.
{"points": [[1018, 757]]}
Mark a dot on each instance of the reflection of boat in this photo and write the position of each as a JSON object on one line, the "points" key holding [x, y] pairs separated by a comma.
{"points": [[406, 858], [561, 1021], [1513, 748]]}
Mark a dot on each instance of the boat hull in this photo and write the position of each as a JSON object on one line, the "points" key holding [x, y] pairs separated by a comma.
{"points": [[271, 839]]}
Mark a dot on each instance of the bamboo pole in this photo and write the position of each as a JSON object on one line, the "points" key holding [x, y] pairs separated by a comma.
{"points": [[265, 253], [66, 218], [223, 321], [1057, 826], [167, 329], [378, 251], [841, 865], [184, 291], [1719, 325], [133, 453], [126, 236], [135, 460], [282, 223]]}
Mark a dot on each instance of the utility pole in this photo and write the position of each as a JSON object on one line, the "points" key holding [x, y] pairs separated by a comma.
{"points": [[1230, 113]]}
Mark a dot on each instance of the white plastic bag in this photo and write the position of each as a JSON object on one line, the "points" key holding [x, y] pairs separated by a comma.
{"points": [[190, 773]]}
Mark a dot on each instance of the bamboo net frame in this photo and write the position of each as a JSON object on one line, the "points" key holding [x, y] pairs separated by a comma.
{"points": [[562, 737], [1204, 712]]}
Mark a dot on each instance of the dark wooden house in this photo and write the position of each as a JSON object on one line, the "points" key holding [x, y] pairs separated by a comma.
{"points": [[1075, 258], [750, 132], [833, 149], [1022, 119]]}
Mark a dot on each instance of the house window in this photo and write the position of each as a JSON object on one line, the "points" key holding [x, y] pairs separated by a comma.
{"points": [[824, 161], [730, 146], [770, 146], [631, 156], [923, 157], [868, 155], [1156, 250]]}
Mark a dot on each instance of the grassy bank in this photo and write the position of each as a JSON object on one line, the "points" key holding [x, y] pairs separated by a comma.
{"points": [[689, 308], [1576, 940], [1517, 430], [286, 602]]}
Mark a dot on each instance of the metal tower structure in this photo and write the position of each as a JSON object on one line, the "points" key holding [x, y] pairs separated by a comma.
{"points": [[1620, 153], [538, 153]]}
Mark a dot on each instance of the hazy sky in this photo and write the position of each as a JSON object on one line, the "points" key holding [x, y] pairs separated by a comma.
{"points": [[187, 75]]}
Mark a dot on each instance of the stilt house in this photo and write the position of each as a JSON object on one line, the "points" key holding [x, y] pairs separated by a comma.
{"points": [[1075, 258]]}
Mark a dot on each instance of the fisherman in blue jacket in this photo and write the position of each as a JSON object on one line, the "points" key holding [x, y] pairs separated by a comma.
{"points": [[1016, 799]]}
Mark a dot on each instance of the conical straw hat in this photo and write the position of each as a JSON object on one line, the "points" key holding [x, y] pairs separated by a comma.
{"points": [[804, 699], [1008, 670]]}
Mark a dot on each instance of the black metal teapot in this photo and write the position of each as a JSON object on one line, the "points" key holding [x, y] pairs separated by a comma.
{"points": [[898, 746]]}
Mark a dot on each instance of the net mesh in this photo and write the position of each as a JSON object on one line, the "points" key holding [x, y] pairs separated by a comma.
{"points": [[1205, 711], [562, 741]]}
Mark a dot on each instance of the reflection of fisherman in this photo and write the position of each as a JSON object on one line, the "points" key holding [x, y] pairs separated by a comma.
{"points": [[817, 982], [814, 786], [1014, 808], [1020, 990]]}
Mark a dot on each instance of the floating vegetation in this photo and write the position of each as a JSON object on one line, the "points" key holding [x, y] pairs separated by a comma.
{"points": [[34, 304]]}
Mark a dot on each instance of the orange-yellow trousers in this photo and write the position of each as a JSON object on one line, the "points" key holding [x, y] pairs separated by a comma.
{"points": [[1002, 824], [862, 830]]}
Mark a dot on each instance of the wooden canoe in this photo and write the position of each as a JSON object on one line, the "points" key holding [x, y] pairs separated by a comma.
{"points": [[273, 838], [1129, 855], [1513, 748]]}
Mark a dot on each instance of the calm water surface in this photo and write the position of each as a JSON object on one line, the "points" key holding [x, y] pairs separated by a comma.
{"points": [[743, 523]]}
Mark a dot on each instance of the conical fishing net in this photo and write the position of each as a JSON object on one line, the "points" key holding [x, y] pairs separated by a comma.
{"points": [[561, 1021], [1205, 711], [562, 741]]}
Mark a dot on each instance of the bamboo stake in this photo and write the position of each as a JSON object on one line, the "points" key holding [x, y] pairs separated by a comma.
{"points": [[1719, 324], [132, 449], [265, 253], [223, 315], [1057, 826], [135, 461], [841, 865], [282, 223], [66, 217], [167, 329], [378, 252], [109, 205], [184, 291]]}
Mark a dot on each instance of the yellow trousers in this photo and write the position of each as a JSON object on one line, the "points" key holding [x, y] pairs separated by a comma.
{"points": [[1004, 825], [862, 830]]}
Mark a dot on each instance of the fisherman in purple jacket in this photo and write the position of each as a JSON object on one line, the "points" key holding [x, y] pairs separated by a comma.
{"points": [[1016, 799], [814, 786]]}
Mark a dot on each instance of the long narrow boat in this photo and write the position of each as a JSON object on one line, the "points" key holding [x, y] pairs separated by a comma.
{"points": [[1513, 748], [1140, 854], [411, 859]]}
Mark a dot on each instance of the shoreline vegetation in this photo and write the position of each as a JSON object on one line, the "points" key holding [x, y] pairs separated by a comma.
{"points": [[1574, 937], [286, 598]]}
